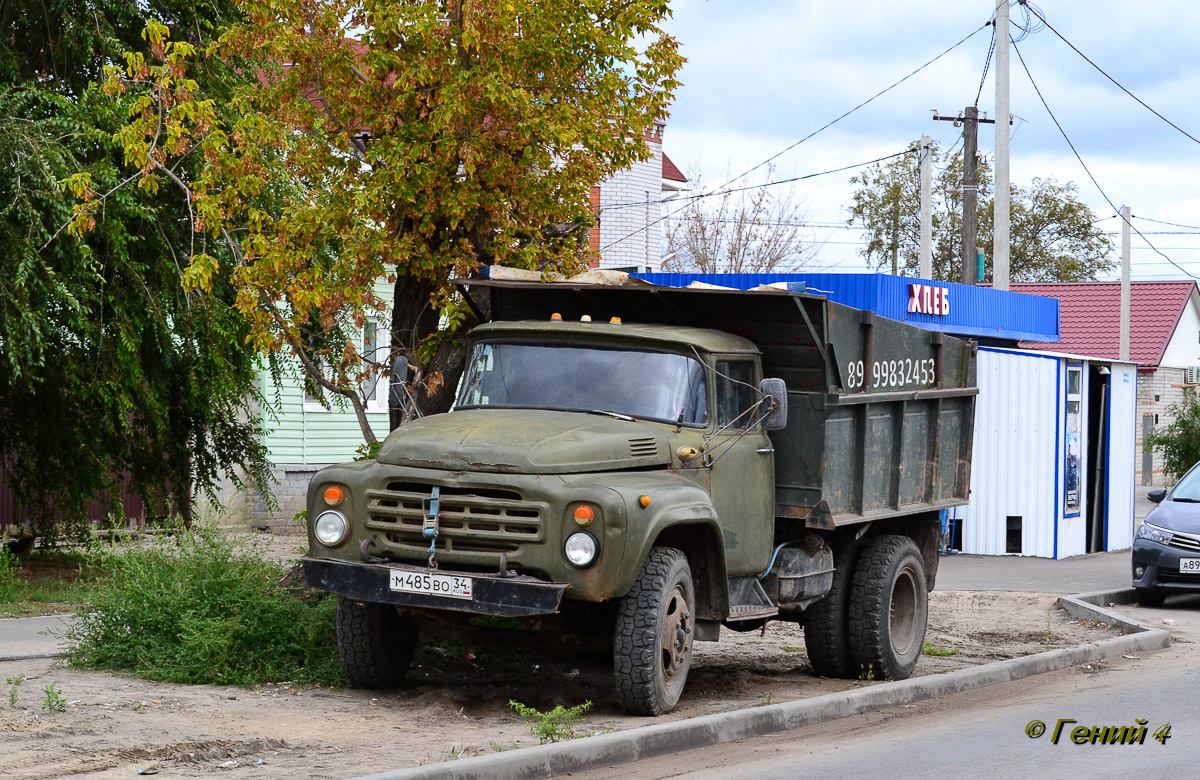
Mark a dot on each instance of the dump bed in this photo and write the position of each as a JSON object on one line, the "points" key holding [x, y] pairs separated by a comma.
{"points": [[880, 414]]}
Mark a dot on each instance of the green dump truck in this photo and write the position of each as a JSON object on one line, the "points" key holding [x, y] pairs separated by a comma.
{"points": [[634, 467]]}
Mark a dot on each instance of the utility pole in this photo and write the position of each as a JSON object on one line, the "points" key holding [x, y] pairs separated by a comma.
{"points": [[970, 201], [1003, 198], [926, 256], [1125, 216]]}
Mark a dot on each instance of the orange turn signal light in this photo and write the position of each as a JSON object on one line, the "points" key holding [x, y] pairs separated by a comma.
{"points": [[644, 501], [556, 317], [584, 515], [334, 495], [615, 321]]}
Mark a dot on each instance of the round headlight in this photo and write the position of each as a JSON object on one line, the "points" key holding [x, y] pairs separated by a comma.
{"points": [[581, 548], [330, 528]]}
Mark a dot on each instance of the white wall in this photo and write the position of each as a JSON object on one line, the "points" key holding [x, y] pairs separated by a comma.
{"points": [[623, 241], [1123, 455], [1013, 464], [1183, 349]]}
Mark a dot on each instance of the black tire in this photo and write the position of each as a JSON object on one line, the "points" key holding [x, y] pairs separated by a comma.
{"points": [[374, 643], [889, 608], [652, 647], [826, 635], [1150, 598]]}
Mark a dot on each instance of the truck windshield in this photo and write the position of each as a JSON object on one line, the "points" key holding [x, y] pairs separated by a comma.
{"points": [[648, 385]]}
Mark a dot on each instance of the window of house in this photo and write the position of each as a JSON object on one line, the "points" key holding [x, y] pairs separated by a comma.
{"points": [[735, 394], [373, 347]]}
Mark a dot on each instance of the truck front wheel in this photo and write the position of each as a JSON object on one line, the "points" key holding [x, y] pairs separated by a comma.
{"points": [[652, 648], [889, 607], [374, 643]]}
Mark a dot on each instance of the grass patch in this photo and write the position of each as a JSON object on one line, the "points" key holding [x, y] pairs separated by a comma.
{"points": [[929, 648], [44, 582], [195, 607]]}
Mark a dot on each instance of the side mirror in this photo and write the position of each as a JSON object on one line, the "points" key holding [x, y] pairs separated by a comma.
{"points": [[397, 381], [776, 390], [1157, 495]]}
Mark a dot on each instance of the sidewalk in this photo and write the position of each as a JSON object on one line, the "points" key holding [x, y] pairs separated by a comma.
{"points": [[22, 638]]}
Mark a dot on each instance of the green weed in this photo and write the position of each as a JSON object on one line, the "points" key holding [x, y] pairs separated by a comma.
{"points": [[768, 700], [556, 725], [1048, 637], [9, 574], [793, 649], [53, 699], [929, 648], [14, 688], [499, 748], [866, 673], [193, 607]]}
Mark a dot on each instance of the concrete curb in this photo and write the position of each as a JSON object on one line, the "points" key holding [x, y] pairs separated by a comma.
{"points": [[29, 657], [659, 739]]}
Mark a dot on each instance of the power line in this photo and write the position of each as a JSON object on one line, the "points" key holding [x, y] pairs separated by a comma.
{"points": [[1082, 163], [1121, 87], [824, 127], [760, 186], [1161, 222], [987, 62]]}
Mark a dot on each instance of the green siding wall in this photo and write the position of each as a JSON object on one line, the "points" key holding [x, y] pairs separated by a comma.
{"points": [[298, 433]]}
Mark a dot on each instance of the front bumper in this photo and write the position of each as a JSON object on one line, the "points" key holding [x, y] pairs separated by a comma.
{"points": [[491, 594], [1160, 567]]}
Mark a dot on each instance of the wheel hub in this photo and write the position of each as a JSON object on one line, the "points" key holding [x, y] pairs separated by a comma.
{"points": [[676, 633]]}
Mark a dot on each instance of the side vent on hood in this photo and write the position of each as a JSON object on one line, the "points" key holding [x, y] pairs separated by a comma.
{"points": [[643, 448]]}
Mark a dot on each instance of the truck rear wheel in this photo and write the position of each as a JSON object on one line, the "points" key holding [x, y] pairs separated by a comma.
{"points": [[652, 648], [826, 636], [889, 608], [374, 643]]}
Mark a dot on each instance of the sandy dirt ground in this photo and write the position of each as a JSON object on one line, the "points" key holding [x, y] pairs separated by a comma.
{"points": [[455, 704]]}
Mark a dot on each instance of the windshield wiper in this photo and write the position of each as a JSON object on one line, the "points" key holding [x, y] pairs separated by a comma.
{"points": [[617, 415], [1186, 500]]}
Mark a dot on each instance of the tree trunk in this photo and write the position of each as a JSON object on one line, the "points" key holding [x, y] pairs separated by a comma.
{"points": [[413, 320]]}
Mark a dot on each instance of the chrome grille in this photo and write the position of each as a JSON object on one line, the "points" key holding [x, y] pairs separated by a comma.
{"points": [[1185, 542], [643, 448], [471, 520]]}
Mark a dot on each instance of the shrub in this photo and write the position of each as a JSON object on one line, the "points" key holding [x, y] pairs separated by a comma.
{"points": [[1179, 442], [196, 608], [557, 725], [10, 582]]}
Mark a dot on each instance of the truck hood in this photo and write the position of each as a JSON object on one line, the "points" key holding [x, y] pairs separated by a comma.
{"points": [[525, 441]]}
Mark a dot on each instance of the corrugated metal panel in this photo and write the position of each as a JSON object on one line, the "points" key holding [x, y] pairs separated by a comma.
{"points": [[974, 311], [1014, 461], [1122, 456]]}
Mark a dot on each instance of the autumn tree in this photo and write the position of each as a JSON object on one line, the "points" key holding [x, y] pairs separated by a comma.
{"points": [[739, 229], [390, 139], [1054, 237], [108, 368]]}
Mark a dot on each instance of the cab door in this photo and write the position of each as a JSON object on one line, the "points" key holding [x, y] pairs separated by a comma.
{"points": [[742, 470]]}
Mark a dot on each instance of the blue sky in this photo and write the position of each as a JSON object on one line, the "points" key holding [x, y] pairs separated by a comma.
{"points": [[762, 74]]}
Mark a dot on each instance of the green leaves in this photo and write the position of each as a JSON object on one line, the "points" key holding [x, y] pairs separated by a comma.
{"points": [[1053, 233]]}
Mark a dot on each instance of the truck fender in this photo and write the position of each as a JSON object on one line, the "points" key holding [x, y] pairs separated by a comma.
{"points": [[693, 529]]}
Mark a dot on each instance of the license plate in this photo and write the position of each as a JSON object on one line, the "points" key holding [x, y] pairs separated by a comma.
{"points": [[437, 584], [1189, 565]]}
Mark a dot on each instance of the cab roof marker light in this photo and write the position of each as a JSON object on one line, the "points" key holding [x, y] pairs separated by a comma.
{"points": [[556, 317], [586, 318], [615, 321]]}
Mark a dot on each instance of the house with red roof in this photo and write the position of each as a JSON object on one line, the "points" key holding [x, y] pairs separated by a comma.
{"points": [[1164, 341], [630, 206]]}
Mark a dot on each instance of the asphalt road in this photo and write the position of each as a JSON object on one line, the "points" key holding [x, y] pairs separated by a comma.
{"points": [[982, 733]]}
